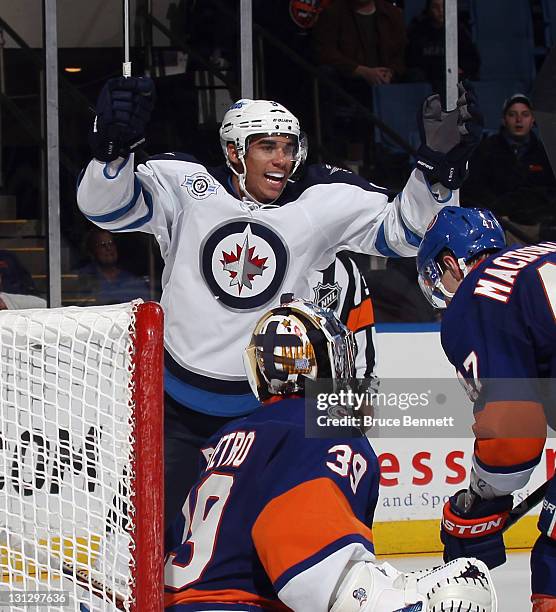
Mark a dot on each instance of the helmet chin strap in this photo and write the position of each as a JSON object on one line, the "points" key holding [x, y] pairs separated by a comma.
{"points": [[463, 267], [242, 177], [445, 292], [464, 270], [243, 187]]}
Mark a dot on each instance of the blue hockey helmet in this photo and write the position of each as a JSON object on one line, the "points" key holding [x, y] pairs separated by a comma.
{"points": [[466, 232]]}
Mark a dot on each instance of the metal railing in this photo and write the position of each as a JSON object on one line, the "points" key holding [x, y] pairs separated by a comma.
{"points": [[320, 77]]}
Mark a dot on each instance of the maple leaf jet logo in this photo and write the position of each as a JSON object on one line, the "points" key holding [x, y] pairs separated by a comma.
{"points": [[243, 265]]}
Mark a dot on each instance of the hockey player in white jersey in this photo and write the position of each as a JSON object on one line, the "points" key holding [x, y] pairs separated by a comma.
{"points": [[234, 237]]}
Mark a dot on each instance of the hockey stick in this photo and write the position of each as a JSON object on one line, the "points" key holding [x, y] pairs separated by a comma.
{"points": [[92, 585], [83, 579], [451, 55], [46, 558], [126, 67], [527, 504]]}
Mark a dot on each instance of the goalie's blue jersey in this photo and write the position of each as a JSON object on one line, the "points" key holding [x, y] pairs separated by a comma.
{"points": [[501, 325], [274, 517]]}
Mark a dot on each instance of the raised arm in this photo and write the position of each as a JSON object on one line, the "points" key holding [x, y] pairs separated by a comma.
{"points": [[448, 140], [108, 189]]}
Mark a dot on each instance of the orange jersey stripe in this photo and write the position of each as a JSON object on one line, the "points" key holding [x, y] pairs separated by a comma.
{"points": [[509, 433], [361, 316], [223, 596], [543, 603], [301, 522]]}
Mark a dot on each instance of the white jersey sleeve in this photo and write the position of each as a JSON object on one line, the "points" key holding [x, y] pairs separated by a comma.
{"points": [[355, 215], [116, 198]]}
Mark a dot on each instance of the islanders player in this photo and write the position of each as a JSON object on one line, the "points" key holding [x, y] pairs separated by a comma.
{"points": [[278, 521], [499, 332]]}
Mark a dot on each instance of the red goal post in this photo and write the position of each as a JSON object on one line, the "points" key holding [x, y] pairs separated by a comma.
{"points": [[81, 457]]}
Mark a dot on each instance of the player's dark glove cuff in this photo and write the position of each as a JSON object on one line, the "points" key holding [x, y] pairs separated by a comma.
{"points": [[107, 149], [439, 168], [448, 139], [123, 109], [489, 549], [475, 531]]}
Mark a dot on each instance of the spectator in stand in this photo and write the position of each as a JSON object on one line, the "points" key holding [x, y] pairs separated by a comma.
{"points": [[104, 278], [206, 27], [362, 39], [14, 278], [17, 289], [362, 42], [426, 48], [510, 173], [290, 23]]}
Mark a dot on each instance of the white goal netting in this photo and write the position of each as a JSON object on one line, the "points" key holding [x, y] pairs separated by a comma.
{"points": [[67, 458]]}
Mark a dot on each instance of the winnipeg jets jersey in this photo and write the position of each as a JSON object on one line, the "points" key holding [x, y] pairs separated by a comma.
{"points": [[274, 517], [227, 260], [501, 325], [343, 288]]}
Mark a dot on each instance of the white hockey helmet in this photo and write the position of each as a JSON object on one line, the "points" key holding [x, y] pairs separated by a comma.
{"points": [[295, 341], [246, 118]]}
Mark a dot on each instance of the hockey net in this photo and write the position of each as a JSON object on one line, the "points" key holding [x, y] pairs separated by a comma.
{"points": [[81, 467]]}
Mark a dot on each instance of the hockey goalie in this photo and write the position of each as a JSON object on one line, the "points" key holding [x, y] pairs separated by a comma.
{"points": [[278, 521]]}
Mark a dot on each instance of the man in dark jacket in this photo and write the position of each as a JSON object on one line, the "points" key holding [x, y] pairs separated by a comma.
{"points": [[362, 43], [510, 172], [362, 39], [14, 277], [426, 48]]}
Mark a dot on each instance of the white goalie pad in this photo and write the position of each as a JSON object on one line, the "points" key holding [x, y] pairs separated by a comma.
{"points": [[462, 584]]}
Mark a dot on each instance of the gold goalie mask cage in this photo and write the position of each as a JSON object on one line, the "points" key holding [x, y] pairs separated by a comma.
{"points": [[295, 341]]}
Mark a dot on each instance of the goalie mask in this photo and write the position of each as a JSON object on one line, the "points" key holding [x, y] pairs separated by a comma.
{"points": [[247, 118], [295, 341]]}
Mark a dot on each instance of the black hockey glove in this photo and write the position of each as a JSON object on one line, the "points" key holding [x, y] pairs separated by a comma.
{"points": [[123, 110], [472, 527], [448, 139]]}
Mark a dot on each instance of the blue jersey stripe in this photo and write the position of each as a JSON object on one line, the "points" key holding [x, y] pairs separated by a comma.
{"points": [[145, 219], [322, 554], [412, 238], [120, 212], [381, 245], [508, 469], [410, 328]]}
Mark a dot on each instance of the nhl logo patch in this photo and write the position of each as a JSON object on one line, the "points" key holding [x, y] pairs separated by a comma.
{"points": [[200, 185], [327, 295], [360, 594]]}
